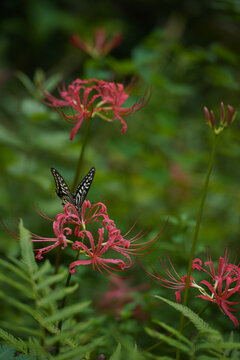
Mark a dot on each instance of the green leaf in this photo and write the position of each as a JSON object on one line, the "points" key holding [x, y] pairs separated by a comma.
{"points": [[18, 304], [53, 81], [6, 352], [27, 249], [34, 109], [14, 269], [219, 347], [51, 279], [10, 339], [17, 285], [37, 350], [70, 332], [56, 295], [26, 82], [22, 329], [43, 270], [151, 356], [169, 340], [173, 331], [66, 312], [25, 357], [80, 351], [117, 353], [200, 324]]}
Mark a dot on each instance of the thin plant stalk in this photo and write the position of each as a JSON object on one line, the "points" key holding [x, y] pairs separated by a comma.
{"points": [[64, 302], [57, 264], [195, 237], [80, 160]]}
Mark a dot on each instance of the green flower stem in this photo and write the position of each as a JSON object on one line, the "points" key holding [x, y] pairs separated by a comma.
{"points": [[80, 160], [195, 237], [64, 301]]}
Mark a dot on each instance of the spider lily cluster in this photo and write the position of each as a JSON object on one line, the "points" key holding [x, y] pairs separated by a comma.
{"points": [[106, 251], [89, 98], [223, 282]]}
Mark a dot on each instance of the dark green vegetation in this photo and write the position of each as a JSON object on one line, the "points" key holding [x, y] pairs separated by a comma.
{"points": [[188, 53]]}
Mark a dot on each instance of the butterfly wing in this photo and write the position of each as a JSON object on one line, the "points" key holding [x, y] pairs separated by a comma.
{"points": [[83, 187], [62, 190]]}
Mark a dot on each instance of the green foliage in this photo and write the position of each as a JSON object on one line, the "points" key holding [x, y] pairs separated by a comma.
{"points": [[200, 324], [39, 302], [206, 342]]}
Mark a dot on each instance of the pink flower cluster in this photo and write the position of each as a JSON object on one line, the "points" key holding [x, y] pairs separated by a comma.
{"points": [[224, 282], [107, 250], [88, 98]]}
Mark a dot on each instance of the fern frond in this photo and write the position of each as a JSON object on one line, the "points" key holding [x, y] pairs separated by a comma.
{"points": [[17, 285], [21, 329], [173, 331], [25, 357], [40, 318], [80, 351], [37, 350], [43, 270], [20, 265], [27, 250], [207, 357], [66, 312], [15, 269], [117, 353], [6, 352], [70, 332], [19, 344], [156, 357], [219, 347], [56, 295], [199, 323], [50, 279], [17, 304], [169, 340]]}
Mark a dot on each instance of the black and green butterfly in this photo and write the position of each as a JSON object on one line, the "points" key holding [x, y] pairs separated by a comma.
{"points": [[62, 189]]}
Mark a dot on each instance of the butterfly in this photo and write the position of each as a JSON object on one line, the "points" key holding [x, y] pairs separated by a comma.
{"points": [[62, 189]]}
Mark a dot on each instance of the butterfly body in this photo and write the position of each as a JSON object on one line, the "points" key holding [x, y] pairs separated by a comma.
{"points": [[63, 191]]}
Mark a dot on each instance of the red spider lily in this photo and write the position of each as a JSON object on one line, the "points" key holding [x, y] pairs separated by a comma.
{"points": [[96, 252], [114, 97], [115, 242], [101, 46], [174, 281], [80, 98], [226, 282], [88, 98], [61, 224], [70, 214], [224, 269], [220, 296], [59, 240]]}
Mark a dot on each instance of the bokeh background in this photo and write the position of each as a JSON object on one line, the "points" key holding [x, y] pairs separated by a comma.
{"points": [[188, 53]]}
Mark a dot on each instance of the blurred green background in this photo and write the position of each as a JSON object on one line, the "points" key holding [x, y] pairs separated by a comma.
{"points": [[188, 53]]}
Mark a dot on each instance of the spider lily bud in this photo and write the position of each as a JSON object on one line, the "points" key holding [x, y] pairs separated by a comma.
{"points": [[223, 123]]}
